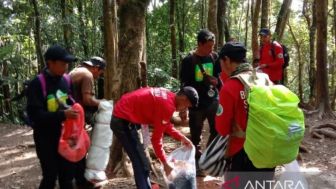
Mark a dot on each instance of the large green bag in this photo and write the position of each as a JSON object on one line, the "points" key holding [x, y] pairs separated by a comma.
{"points": [[275, 125]]}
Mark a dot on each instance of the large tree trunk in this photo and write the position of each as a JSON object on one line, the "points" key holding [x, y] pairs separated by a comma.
{"points": [[131, 49], [212, 19], [173, 38], [321, 59], [6, 91], [282, 19], [255, 28], [333, 99], [227, 32], [264, 13], [82, 31], [37, 36]]}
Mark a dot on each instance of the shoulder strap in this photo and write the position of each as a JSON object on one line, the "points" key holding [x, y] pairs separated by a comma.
{"points": [[67, 78], [196, 61], [42, 80]]}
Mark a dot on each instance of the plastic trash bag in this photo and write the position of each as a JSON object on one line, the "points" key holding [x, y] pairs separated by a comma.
{"points": [[292, 176], [74, 142], [99, 152], [183, 175]]}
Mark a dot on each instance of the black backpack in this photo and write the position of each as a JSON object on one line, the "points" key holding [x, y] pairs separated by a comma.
{"points": [[285, 54]]}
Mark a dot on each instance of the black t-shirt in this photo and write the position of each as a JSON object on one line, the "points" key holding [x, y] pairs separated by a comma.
{"points": [[191, 75]]}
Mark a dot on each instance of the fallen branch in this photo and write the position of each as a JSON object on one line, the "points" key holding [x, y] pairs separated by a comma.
{"points": [[326, 133]]}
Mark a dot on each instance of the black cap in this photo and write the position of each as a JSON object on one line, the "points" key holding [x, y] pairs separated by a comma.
{"points": [[57, 52], [264, 31], [204, 36], [191, 94], [233, 50], [96, 61]]}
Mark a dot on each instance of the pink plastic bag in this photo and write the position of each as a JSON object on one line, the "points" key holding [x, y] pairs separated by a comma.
{"points": [[74, 142]]}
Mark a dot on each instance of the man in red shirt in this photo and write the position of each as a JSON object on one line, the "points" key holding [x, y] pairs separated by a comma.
{"points": [[271, 56], [153, 106], [232, 112]]}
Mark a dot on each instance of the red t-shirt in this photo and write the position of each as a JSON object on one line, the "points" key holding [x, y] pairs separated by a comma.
{"points": [[232, 111], [153, 106], [274, 64]]}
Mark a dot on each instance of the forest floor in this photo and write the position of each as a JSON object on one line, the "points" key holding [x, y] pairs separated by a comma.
{"points": [[20, 167]]}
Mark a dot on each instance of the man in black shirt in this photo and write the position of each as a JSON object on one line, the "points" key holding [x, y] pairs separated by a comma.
{"points": [[200, 70]]}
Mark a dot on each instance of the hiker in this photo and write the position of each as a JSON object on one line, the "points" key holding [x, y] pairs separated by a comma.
{"points": [[83, 78], [200, 70], [232, 112], [153, 106], [47, 112], [271, 56]]}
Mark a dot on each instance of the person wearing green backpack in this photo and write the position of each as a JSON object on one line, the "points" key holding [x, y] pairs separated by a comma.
{"points": [[232, 114]]}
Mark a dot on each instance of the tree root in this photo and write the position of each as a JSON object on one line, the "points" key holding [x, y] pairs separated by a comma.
{"points": [[303, 149], [320, 131]]}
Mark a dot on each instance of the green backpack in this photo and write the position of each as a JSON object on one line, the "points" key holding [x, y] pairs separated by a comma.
{"points": [[275, 125]]}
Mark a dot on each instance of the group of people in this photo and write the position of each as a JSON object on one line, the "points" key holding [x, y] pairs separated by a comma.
{"points": [[207, 91]]}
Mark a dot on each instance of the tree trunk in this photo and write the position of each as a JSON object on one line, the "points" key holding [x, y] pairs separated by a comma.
{"points": [[131, 48], [6, 91], [226, 22], [202, 16], [255, 28], [180, 10], [321, 59], [300, 61], [173, 38], [247, 22], [282, 19], [311, 23], [67, 33], [212, 20], [333, 103], [264, 13], [82, 31], [37, 36], [220, 22]]}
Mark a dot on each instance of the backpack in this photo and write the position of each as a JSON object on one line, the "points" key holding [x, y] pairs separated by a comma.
{"points": [[275, 125], [285, 54], [41, 78]]}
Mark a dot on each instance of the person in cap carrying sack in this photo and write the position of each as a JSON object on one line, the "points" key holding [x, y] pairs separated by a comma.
{"points": [[232, 113], [200, 70], [153, 106], [47, 112], [83, 78]]}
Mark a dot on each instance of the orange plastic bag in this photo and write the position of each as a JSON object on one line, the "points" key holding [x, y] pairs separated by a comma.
{"points": [[74, 142]]}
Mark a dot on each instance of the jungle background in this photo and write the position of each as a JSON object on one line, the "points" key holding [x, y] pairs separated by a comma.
{"points": [[143, 42]]}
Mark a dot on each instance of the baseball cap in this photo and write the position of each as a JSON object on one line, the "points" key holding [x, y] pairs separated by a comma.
{"points": [[57, 52], [264, 31], [205, 35], [96, 61], [191, 94], [234, 50]]}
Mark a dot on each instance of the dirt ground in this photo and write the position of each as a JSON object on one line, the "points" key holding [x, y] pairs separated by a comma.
{"points": [[20, 167]]}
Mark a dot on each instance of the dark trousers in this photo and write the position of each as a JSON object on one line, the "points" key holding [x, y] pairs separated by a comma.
{"points": [[53, 165], [196, 120], [241, 171], [127, 134]]}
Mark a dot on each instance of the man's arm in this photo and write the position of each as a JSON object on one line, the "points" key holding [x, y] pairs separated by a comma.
{"points": [[88, 92], [225, 113]]}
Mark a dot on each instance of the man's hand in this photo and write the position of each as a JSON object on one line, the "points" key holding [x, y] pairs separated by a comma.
{"points": [[167, 168], [183, 115], [187, 142], [70, 113]]}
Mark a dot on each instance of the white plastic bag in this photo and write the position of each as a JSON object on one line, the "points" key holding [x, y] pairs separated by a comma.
{"points": [[101, 138], [183, 175], [292, 176]]}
